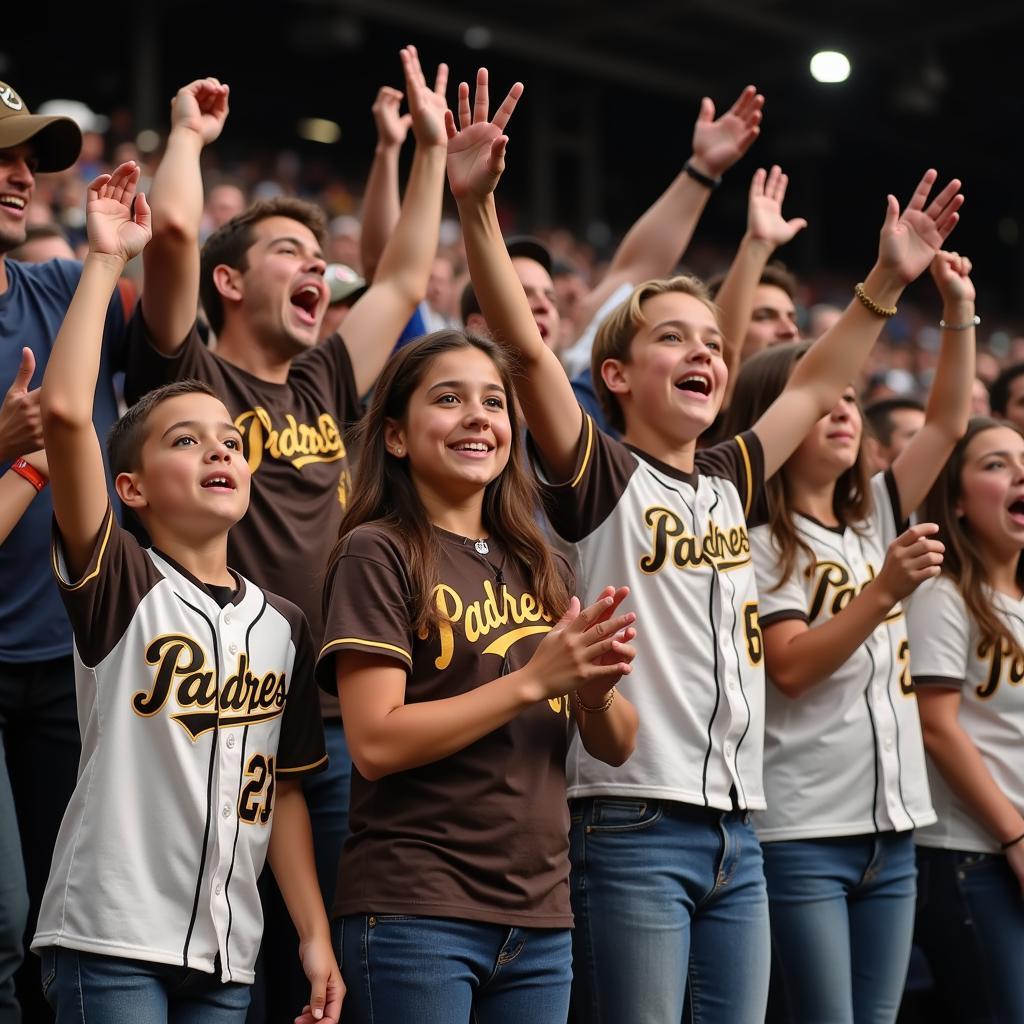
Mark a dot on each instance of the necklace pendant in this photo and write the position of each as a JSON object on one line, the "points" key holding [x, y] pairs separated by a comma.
{"points": [[481, 547]]}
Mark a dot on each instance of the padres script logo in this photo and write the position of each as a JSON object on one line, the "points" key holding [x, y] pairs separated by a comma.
{"points": [[480, 618], [835, 589], [672, 542], [244, 699], [297, 443], [1000, 663]]}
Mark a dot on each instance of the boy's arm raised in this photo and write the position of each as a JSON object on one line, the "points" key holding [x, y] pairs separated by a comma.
{"points": [[118, 224], [476, 159], [171, 296], [907, 246]]}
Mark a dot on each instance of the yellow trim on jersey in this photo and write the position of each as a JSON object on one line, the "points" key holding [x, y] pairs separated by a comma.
{"points": [[301, 767], [749, 498], [99, 558], [586, 452], [366, 643]]}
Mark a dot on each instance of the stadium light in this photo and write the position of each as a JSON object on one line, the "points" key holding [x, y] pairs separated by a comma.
{"points": [[830, 66]]}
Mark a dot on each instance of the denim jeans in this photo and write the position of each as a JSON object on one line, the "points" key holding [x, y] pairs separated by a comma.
{"points": [[281, 988], [670, 907], [430, 970], [970, 924], [842, 913], [85, 988], [41, 747]]}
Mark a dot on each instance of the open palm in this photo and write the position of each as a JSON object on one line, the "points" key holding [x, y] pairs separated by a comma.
{"points": [[476, 151], [117, 219], [909, 242], [764, 210], [718, 144]]}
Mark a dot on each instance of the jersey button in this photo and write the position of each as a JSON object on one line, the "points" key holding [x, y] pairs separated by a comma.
{"points": [[231, 741], [227, 618], [219, 889], [233, 648], [888, 743], [226, 811], [728, 750]]}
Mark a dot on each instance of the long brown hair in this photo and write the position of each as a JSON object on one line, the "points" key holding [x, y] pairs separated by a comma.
{"points": [[384, 492], [760, 381], [962, 561]]}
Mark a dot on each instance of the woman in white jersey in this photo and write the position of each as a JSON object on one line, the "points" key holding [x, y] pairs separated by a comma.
{"points": [[967, 632], [845, 781]]}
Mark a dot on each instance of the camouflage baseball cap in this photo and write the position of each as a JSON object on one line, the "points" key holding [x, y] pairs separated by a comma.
{"points": [[57, 141]]}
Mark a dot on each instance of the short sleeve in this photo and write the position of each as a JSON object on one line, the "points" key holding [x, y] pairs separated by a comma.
{"points": [[147, 368], [367, 604], [778, 598], [102, 602], [301, 749], [601, 474], [741, 461], [939, 631]]}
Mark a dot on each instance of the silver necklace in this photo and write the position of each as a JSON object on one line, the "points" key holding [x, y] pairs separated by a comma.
{"points": [[481, 547]]}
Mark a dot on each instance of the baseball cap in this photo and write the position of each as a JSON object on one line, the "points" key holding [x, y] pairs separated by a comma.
{"points": [[57, 140], [343, 283]]}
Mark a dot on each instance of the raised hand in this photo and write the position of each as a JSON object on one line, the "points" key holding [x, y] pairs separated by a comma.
{"points": [[117, 218], [427, 107], [952, 275], [765, 222], [392, 127], [913, 557], [201, 106], [21, 425], [718, 144], [476, 152], [909, 242]]}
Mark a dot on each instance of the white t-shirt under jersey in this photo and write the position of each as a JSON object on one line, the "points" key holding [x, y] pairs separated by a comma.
{"points": [[846, 758], [948, 654]]}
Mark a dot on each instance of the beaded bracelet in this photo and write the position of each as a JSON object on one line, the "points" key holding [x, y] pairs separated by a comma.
{"points": [[886, 311]]}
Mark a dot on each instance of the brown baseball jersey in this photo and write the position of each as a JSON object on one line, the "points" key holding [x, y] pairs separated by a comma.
{"points": [[483, 833], [192, 702]]}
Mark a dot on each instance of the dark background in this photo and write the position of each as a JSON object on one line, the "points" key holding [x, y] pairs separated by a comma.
{"points": [[611, 94]]}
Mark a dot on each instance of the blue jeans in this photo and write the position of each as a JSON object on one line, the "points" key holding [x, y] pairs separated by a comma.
{"points": [[842, 914], [970, 924], [86, 988], [13, 897], [670, 907], [281, 988], [435, 970]]}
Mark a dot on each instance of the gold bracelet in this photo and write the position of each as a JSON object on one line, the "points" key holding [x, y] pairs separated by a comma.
{"points": [[886, 311], [608, 700]]}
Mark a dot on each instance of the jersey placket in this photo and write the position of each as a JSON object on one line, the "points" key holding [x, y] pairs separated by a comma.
{"points": [[229, 784]]}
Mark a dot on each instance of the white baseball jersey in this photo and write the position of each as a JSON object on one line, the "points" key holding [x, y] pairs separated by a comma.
{"points": [[847, 757], [189, 710], [948, 653], [679, 541]]}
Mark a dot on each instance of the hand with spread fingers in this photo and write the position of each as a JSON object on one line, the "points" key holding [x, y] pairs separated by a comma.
{"points": [[476, 150], [909, 241], [392, 127], [765, 222], [719, 143]]}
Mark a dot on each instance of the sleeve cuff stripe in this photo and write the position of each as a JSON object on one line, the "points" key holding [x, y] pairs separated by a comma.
{"points": [[374, 644], [783, 615], [586, 453], [302, 767], [99, 558], [938, 682], [748, 498]]}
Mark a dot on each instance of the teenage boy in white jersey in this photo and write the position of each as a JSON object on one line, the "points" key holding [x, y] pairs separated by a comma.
{"points": [[195, 690], [669, 882]]}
